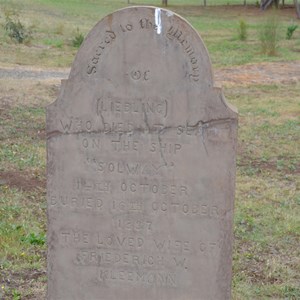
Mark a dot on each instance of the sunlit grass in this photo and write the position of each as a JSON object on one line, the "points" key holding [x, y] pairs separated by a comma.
{"points": [[54, 24]]}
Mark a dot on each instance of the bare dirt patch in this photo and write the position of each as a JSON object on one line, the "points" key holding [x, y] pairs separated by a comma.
{"points": [[271, 165], [262, 73], [5, 106], [34, 92], [31, 282], [28, 72], [22, 180]]}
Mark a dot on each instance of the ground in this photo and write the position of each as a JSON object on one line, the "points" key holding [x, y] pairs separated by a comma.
{"points": [[260, 73], [24, 84], [265, 89]]}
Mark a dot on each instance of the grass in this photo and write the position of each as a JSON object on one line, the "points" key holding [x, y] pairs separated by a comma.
{"points": [[267, 207], [22, 189], [267, 222], [54, 25]]}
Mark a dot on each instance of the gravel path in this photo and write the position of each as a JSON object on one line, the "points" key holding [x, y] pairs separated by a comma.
{"points": [[263, 73], [33, 73]]}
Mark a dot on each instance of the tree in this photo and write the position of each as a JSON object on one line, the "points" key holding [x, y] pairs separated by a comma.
{"points": [[264, 4], [165, 2], [297, 6]]}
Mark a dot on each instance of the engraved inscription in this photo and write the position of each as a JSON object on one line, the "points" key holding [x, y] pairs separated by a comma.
{"points": [[128, 168], [150, 278], [116, 259], [100, 248], [125, 146], [167, 148], [145, 23], [76, 124], [174, 33], [191, 209], [109, 37], [78, 238], [91, 185], [76, 202], [127, 27], [133, 225], [118, 127], [149, 187], [172, 246], [132, 106], [91, 143], [137, 75], [96, 257], [127, 206]]}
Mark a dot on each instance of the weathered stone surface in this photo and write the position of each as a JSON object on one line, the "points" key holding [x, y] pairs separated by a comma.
{"points": [[141, 167]]}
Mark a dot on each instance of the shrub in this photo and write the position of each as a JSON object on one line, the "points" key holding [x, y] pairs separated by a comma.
{"points": [[269, 35], [242, 30], [34, 239], [290, 31], [16, 30], [78, 39]]}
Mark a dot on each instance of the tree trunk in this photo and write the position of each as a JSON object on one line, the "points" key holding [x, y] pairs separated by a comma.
{"points": [[264, 4], [165, 2], [297, 6]]}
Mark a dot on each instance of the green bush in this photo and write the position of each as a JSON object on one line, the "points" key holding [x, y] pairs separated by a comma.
{"points": [[269, 35], [16, 295], [34, 239], [290, 31], [242, 30], [78, 39], [16, 30]]}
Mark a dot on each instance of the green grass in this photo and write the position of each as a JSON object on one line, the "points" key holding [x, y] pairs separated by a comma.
{"points": [[267, 222], [54, 24], [22, 189], [267, 207]]}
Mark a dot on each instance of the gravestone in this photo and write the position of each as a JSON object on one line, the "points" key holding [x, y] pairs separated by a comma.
{"points": [[141, 166]]}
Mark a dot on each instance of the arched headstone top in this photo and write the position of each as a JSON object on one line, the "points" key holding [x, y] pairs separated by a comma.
{"points": [[156, 31], [140, 51]]}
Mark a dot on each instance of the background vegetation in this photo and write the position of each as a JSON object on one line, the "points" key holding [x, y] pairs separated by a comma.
{"points": [[267, 210], [54, 24]]}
